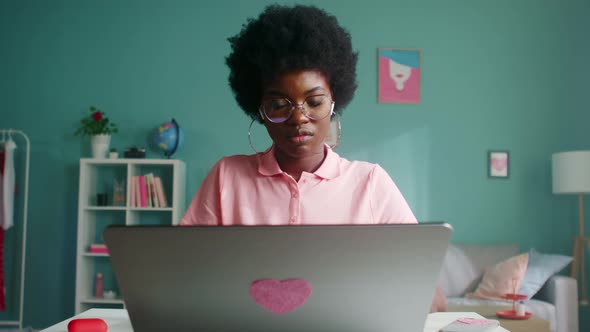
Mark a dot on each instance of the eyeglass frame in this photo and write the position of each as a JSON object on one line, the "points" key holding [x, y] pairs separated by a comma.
{"points": [[298, 105]]}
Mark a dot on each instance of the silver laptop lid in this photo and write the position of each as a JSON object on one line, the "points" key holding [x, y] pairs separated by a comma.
{"points": [[298, 278]]}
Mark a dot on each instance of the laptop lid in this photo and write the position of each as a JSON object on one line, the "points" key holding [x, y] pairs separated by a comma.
{"points": [[278, 278]]}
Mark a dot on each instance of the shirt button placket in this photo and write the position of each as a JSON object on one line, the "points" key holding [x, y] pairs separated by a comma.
{"points": [[294, 209]]}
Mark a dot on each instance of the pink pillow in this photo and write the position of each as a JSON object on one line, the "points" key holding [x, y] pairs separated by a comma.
{"points": [[503, 278]]}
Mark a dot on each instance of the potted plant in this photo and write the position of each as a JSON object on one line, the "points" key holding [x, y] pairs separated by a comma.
{"points": [[99, 127], [113, 154]]}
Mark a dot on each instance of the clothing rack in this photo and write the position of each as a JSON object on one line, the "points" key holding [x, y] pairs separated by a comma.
{"points": [[19, 322]]}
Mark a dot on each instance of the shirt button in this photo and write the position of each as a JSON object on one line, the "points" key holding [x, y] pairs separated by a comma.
{"points": [[295, 194], [293, 220]]}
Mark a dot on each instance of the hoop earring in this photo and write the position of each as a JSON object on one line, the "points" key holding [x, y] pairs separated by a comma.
{"points": [[333, 139], [250, 136]]}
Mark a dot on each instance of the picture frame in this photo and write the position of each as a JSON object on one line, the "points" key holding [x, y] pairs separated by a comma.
{"points": [[399, 75], [499, 164]]}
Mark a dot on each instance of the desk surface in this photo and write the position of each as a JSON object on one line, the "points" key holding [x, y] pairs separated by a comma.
{"points": [[118, 320]]}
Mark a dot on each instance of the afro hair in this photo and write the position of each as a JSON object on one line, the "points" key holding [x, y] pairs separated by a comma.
{"points": [[284, 39]]}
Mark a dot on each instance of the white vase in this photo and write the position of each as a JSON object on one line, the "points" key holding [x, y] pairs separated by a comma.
{"points": [[100, 145]]}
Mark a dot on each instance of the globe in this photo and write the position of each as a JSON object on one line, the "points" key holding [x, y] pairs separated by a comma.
{"points": [[168, 137]]}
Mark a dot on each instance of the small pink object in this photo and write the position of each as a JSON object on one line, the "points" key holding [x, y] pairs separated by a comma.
{"points": [[87, 325], [473, 321], [98, 291], [280, 296], [99, 250]]}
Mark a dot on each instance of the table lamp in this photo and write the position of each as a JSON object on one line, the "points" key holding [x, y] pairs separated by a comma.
{"points": [[571, 175]]}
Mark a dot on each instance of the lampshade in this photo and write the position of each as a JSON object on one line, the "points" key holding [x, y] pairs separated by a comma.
{"points": [[571, 172]]}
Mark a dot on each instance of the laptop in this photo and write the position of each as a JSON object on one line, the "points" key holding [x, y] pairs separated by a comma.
{"points": [[278, 278]]}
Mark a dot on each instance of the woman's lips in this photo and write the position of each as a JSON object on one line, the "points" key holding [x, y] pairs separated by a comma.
{"points": [[301, 137]]}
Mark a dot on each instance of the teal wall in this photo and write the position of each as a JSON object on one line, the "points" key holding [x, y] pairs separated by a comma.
{"points": [[580, 119], [496, 75]]}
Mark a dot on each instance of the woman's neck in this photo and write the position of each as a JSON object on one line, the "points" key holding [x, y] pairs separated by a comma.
{"points": [[294, 166]]}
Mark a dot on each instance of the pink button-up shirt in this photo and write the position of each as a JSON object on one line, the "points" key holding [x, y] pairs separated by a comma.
{"points": [[253, 190]]}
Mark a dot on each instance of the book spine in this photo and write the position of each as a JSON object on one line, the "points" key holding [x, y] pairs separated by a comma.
{"points": [[143, 191], [148, 190], [132, 191], [154, 194], [137, 192], [161, 193]]}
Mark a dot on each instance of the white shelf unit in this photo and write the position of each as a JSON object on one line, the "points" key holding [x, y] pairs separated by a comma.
{"points": [[98, 176]]}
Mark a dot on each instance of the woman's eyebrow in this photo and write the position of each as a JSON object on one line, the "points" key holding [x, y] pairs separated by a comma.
{"points": [[279, 93]]}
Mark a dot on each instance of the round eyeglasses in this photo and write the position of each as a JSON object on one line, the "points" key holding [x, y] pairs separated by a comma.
{"points": [[279, 110]]}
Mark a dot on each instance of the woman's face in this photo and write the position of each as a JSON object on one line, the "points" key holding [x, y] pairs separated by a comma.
{"points": [[299, 136]]}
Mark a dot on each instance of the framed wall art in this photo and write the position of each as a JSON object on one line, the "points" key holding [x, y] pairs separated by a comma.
{"points": [[399, 75], [498, 164]]}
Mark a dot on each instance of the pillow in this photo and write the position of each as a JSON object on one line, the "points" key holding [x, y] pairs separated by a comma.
{"points": [[540, 268], [502, 278], [458, 273]]}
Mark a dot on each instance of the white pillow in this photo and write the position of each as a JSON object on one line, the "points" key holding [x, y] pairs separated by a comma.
{"points": [[458, 273], [540, 268]]}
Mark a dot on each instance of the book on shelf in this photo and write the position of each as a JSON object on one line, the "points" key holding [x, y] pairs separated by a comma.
{"points": [[160, 191], [148, 190], [154, 196], [98, 248], [143, 191], [137, 191], [132, 192]]}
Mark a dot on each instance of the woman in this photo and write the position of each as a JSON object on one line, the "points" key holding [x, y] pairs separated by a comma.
{"points": [[292, 69]]}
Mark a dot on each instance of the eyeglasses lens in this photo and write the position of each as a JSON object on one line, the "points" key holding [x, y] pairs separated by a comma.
{"points": [[280, 109]]}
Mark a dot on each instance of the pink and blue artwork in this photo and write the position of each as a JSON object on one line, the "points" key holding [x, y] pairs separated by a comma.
{"points": [[399, 75]]}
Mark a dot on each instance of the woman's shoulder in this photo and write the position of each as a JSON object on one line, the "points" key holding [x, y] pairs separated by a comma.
{"points": [[236, 161], [358, 165]]}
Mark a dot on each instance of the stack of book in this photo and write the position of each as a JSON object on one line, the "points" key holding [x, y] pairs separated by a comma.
{"points": [[147, 191], [98, 248]]}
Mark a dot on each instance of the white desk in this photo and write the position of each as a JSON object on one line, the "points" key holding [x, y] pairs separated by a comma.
{"points": [[118, 320]]}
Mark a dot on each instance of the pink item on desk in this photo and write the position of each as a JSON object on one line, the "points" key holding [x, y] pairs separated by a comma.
{"points": [[281, 296], [87, 325]]}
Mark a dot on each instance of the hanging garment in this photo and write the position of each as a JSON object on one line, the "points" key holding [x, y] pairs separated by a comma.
{"points": [[2, 159], [2, 290], [8, 184]]}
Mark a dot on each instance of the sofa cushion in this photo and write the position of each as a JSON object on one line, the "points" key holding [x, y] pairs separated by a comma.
{"points": [[540, 268], [502, 278], [464, 265]]}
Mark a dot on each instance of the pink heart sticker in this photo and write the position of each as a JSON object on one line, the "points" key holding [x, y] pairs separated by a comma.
{"points": [[281, 296], [499, 164]]}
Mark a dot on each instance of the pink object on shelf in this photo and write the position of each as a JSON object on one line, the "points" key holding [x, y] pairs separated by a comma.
{"points": [[99, 250], [281, 296], [143, 191], [98, 292]]}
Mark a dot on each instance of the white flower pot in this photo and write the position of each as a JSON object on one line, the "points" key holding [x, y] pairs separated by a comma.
{"points": [[113, 155], [100, 145]]}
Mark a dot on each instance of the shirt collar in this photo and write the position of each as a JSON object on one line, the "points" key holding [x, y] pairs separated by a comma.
{"points": [[268, 165]]}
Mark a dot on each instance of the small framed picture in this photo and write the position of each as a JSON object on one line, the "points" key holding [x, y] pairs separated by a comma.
{"points": [[399, 75], [498, 164]]}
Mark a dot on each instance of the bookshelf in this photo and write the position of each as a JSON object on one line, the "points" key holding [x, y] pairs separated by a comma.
{"points": [[98, 176]]}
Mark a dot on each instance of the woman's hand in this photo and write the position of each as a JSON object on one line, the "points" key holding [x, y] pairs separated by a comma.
{"points": [[439, 302]]}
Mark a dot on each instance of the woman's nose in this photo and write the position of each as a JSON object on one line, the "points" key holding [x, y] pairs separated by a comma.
{"points": [[298, 114]]}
